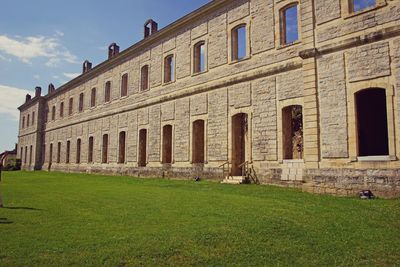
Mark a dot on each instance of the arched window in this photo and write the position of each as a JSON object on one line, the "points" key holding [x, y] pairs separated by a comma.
{"points": [[68, 152], [107, 92], [359, 5], [292, 131], [167, 144], [372, 124], [122, 146], [199, 57], [169, 69], [78, 151], [198, 143], [289, 24], [90, 149], [53, 113], [81, 102], [71, 106], [62, 109], [124, 85], [104, 158], [142, 162], [238, 36], [93, 98], [144, 78]]}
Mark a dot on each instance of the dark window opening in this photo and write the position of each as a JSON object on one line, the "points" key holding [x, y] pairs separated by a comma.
{"points": [[124, 85], [142, 162], [169, 69], [167, 144], [28, 121], [93, 98], [292, 130], [289, 24], [53, 113], [68, 152], [144, 76], [198, 142], [59, 152], [78, 151], [90, 152], [104, 158], [51, 155], [30, 155], [81, 102], [122, 146], [107, 92], [71, 105], [239, 42], [33, 117], [239, 132], [62, 109], [372, 123], [23, 122]]}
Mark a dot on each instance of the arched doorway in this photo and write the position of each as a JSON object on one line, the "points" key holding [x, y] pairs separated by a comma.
{"points": [[167, 145], [292, 131], [239, 132], [372, 125], [198, 142], [142, 158]]}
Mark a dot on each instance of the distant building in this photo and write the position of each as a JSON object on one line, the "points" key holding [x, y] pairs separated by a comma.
{"points": [[302, 93], [8, 158]]}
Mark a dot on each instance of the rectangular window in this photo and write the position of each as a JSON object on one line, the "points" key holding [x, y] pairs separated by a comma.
{"points": [[59, 152], [199, 57], [62, 109], [122, 137], [27, 121], [169, 69], [78, 151], [124, 85], [289, 25], [359, 5], [105, 149], [53, 113], [93, 98], [71, 105], [239, 42], [107, 92], [33, 117], [144, 78], [90, 152], [68, 152], [81, 102]]}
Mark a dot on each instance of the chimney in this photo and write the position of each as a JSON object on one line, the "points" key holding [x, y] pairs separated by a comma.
{"points": [[113, 50], [86, 66], [51, 88], [150, 27], [28, 98], [38, 91]]}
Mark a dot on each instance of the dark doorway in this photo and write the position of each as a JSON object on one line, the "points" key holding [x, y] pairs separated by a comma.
{"points": [[372, 122], [239, 131], [104, 157], [142, 159], [292, 131], [167, 144], [198, 142]]}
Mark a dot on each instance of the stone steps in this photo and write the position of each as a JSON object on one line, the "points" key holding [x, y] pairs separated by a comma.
{"points": [[233, 180]]}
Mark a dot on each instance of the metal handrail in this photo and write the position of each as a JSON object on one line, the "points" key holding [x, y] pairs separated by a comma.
{"points": [[223, 168]]}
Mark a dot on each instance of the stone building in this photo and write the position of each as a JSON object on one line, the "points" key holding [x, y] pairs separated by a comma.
{"points": [[304, 92]]}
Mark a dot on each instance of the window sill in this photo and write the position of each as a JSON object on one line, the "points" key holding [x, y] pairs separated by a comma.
{"points": [[283, 46], [123, 97], [168, 83], [144, 91], [199, 73], [239, 60], [376, 158]]}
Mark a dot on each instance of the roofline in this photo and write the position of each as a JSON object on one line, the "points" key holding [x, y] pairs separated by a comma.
{"points": [[139, 46]]}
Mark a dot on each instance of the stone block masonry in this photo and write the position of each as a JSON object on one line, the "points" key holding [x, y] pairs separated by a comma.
{"points": [[297, 112]]}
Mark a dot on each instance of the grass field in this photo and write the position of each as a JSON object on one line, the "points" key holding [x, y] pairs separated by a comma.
{"points": [[54, 219]]}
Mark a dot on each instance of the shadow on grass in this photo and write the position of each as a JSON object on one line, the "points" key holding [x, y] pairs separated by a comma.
{"points": [[5, 221], [21, 208]]}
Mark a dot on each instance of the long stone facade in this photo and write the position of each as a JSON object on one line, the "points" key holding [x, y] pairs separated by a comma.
{"points": [[232, 83]]}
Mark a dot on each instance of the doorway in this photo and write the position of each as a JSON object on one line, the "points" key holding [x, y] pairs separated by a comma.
{"points": [[239, 132]]}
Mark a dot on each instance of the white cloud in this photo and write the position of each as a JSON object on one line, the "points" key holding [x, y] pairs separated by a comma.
{"points": [[36, 76], [28, 48], [12, 98], [4, 58], [71, 75], [59, 33]]}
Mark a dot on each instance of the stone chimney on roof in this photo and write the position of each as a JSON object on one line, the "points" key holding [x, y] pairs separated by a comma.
{"points": [[28, 98], [86, 66], [113, 50], [51, 88], [38, 91], [150, 27]]}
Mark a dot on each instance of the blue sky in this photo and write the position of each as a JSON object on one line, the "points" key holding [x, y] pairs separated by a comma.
{"points": [[46, 41]]}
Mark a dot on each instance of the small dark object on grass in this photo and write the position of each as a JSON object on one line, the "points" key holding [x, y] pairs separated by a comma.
{"points": [[366, 194], [197, 179]]}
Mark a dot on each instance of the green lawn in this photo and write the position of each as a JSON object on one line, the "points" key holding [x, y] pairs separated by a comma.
{"points": [[54, 219]]}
